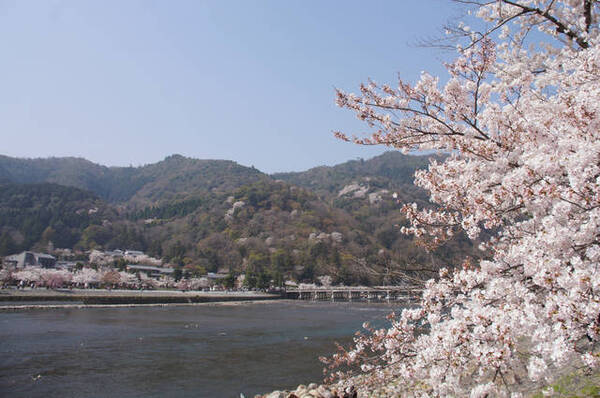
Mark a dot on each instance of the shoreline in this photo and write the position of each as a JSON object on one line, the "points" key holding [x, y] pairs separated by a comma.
{"points": [[119, 298], [35, 299], [27, 307]]}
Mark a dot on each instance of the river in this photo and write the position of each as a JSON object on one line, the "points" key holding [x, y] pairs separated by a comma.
{"points": [[175, 351]]}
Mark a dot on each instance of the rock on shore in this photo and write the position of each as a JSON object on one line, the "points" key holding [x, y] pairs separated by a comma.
{"points": [[313, 391]]}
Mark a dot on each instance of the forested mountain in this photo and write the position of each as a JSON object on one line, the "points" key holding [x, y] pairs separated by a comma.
{"points": [[75, 172], [32, 215], [391, 170], [174, 177], [214, 215]]}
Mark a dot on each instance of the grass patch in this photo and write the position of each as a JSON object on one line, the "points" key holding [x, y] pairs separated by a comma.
{"points": [[574, 385]]}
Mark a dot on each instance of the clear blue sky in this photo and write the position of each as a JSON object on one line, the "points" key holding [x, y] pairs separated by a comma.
{"points": [[130, 82]]}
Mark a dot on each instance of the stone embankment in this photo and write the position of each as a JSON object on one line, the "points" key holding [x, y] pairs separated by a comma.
{"points": [[313, 391], [90, 297]]}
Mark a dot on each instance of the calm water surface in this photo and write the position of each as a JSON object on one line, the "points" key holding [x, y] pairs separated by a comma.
{"points": [[194, 351]]}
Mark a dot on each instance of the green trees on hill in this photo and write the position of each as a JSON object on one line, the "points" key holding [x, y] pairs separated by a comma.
{"points": [[42, 213], [180, 208], [142, 186], [300, 228]]}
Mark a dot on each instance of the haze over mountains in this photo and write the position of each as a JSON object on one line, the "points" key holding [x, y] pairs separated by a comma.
{"points": [[209, 215]]}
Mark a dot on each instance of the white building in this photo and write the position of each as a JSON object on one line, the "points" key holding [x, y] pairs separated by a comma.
{"points": [[31, 259]]}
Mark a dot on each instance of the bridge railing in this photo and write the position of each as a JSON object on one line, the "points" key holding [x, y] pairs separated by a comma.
{"points": [[395, 293]]}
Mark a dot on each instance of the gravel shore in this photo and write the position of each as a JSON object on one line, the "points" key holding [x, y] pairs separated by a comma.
{"points": [[313, 390]]}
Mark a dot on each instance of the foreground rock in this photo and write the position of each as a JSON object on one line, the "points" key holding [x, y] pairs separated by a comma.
{"points": [[313, 391]]}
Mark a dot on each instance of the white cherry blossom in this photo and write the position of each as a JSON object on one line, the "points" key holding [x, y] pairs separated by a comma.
{"points": [[521, 127]]}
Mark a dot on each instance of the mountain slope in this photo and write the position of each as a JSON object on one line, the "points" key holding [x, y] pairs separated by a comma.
{"points": [[36, 214], [392, 171], [209, 215], [176, 176]]}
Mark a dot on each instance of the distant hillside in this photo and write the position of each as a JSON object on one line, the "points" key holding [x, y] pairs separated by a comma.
{"points": [[174, 177], [177, 177], [215, 215], [36, 214], [280, 230], [391, 170], [75, 172], [393, 165]]}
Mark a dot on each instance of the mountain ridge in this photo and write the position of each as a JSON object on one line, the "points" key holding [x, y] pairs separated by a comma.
{"points": [[119, 184], [141, 185], [210, 215]]}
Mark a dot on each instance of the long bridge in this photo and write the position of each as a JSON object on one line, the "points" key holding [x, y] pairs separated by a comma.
{"points": [[364, 294]]}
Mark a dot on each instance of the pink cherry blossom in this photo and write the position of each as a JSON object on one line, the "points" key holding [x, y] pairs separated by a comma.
{"points": [[520, 123]]}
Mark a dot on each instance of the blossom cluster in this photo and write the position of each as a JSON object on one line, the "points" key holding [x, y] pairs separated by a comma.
{"points": [[520, 123], [87, 277]]}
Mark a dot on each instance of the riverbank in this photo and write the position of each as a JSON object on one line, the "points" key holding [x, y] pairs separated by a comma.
{"points": [[22, 307], [313, 390], [87, 297]]}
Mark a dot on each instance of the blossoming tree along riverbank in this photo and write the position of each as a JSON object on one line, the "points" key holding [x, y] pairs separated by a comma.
{"points": [[521, 122]]}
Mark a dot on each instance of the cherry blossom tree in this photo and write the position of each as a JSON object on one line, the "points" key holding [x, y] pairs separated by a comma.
{"points": [[166, 282], [325, 280], [6, 276], [147, 282], [111, 277], [519, 120], [198, 283], [128, 280], [183, 285], [55, 278], [28, 275], [87, 277]]}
